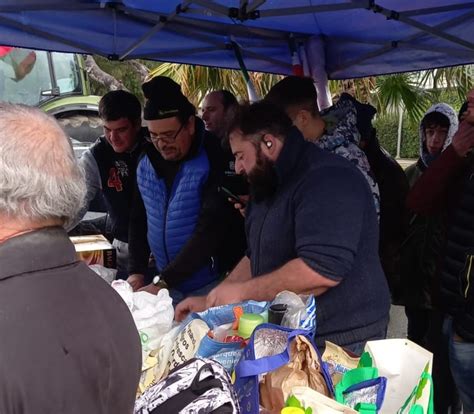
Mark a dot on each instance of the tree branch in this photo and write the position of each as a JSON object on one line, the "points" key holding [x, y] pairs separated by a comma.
{"points": [[97, 74], [140, 69]]}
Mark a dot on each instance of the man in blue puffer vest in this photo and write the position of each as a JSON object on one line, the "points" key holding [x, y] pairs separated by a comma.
{"points": [[177, 213]]}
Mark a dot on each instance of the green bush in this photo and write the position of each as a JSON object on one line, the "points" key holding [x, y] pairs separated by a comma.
{"points": [[410, 140], [387, 127], [387, 132]]}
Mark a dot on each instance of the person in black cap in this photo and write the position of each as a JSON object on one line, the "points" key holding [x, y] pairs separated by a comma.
{"points": [[177, 213]]}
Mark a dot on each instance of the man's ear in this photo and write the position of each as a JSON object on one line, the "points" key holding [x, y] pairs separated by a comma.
{"points": [[137, 125], [303, 117], [269, 145], [191, 124]]}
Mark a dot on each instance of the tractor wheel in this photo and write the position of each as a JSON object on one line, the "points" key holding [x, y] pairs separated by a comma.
{"points": [[84, 127]]}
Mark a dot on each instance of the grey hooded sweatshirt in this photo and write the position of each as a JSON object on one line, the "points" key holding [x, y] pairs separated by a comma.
{"points": [[414, 171]]}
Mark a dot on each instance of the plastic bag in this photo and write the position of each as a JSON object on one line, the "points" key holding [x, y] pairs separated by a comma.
{"points": [[104, 272], [362, 388], [338, 361], [156, 366], [303, 369], [153, 314], [268, 350], [301, 311], [226, 353]]}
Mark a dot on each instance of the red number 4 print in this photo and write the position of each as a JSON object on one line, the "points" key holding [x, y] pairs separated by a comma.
{"points": [[114, 180]]}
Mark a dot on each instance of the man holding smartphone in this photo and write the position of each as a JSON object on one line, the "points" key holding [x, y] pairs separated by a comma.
{"points": [[218, 108], [311, 227], [447, 186]]}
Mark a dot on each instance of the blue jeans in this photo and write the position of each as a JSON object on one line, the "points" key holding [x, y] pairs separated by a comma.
{"points": [[461, 360], [178, 296]]}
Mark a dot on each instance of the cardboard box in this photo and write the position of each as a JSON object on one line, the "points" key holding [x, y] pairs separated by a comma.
{"points": [[95, 249]]}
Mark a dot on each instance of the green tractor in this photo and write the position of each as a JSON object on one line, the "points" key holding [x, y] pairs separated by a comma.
{"points": [[56, 83]]}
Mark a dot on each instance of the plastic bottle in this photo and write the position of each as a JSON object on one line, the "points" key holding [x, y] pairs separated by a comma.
{"points": [[247, 323]]}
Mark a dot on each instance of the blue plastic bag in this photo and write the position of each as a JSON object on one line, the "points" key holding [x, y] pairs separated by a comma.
{"points": [[251, 365], [226, 353]]}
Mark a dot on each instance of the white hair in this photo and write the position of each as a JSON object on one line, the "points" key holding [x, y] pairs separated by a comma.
{"points": [[40, 179]]}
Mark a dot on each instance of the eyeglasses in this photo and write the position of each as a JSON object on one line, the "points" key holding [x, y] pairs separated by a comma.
{"points": [[165, 138]]}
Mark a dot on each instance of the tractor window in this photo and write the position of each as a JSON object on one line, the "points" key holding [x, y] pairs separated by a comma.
{"points": [[24, 74], [66, 70]]}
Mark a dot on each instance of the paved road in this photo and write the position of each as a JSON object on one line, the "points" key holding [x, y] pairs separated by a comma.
{"points": [[405, 162], [397, 327]]}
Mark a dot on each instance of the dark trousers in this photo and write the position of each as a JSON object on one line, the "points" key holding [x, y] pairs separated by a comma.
{"points": [[419, 321], [425, 328]]}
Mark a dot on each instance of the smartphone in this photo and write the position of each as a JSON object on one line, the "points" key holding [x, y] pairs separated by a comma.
{"points": [[231, 195]]}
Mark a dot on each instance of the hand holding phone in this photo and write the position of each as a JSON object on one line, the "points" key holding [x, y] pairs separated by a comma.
{"points": [[232, 196]]}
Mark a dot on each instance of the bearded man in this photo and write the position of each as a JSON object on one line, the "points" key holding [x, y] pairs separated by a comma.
{"points": [[311, 228]]}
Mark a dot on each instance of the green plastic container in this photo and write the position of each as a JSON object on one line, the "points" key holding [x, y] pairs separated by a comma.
{"points": [[247, 323]]}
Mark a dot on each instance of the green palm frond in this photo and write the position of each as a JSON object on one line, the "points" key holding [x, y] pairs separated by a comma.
{"points": [[458, 78], [401, 91], [197, 81]]}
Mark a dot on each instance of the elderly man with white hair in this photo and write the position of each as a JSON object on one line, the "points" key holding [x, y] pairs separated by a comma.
{"points": [[68, 342]]}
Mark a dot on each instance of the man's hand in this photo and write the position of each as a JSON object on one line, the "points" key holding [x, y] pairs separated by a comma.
{"points": [[240, 206], [136, 281], [151, 288], [463, 140], [188, 305], [225, 293]]}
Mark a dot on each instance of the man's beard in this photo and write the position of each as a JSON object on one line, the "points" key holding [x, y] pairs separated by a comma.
{"points": [[262, 178]]}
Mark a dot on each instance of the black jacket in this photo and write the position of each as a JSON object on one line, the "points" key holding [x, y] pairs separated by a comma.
{"points": [[393, 187], [68, 341], [118, 177], [447, 187], [457, 271]]}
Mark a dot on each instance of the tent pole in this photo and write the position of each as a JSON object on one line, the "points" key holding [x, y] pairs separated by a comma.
{"points": [[389, 45], [401, 17], [49, 36], [441, 9], [253, 97], [316, 58], [155, 29], [255, 5], [210, 40]]}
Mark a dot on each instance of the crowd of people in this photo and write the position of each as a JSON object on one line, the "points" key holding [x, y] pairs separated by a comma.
{"points": [[241, 203]]}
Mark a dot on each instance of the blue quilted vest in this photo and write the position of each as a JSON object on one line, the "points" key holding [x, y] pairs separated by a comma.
{"points": [[172, 217]]}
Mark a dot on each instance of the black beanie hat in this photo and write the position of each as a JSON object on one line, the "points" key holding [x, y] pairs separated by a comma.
{"points": [[164, 99]]}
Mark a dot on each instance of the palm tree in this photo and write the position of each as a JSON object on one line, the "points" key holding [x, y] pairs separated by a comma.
{"points": [[197, 81], [413, 92]]}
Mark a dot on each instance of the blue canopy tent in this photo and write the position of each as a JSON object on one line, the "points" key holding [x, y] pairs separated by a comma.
{"points": [[333, 39]]}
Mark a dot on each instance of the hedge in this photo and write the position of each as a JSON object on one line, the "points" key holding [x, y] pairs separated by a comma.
{"points": [[387, 128]]}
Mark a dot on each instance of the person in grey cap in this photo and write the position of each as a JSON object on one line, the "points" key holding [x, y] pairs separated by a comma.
{"points": [[177, 213]]}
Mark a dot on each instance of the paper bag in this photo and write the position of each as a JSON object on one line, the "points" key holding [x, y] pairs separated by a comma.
{"points": [[403, 363], [303, 370]]}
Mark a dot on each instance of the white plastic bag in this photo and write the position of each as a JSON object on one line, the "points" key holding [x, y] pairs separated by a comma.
{"points": [[153, 314], [104, 272], [301, 311]]}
